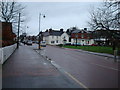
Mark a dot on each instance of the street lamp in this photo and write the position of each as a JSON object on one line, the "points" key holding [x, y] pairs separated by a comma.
{"points": [[39, 29], [18, 31]]}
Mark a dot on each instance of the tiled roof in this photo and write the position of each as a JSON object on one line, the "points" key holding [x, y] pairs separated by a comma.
{"points": [[56, 33], [76, 31], [45, 34], [79, 31], [53, 33]]}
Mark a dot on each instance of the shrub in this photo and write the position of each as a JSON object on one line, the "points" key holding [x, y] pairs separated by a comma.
{"points": [[60, 45]]}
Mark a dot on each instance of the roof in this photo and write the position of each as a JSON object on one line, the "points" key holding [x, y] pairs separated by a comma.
{"points": [[76, 31], [56, 33], [45, 34], [53, 33], [79, 31]]}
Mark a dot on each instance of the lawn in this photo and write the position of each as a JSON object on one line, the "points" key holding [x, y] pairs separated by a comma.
{"points": [[99, 49]]}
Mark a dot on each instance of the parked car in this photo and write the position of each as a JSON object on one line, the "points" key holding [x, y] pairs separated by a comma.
{"points": [[29, 43], [36, 42], [93, 45], [33, 41], [78, 44], [68, 44], [43, 43]]}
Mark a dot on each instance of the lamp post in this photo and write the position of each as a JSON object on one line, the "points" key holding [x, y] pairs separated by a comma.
{"points": [[18, 31], [39, 29]]}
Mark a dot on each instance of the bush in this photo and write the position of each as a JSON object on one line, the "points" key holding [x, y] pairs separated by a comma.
{"points": [[60, 45]]}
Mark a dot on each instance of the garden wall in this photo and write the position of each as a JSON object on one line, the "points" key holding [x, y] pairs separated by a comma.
{"points": [[5, 52]]}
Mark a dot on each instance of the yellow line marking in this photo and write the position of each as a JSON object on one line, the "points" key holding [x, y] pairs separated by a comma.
{"points": [[105, 66], [76, 80]]}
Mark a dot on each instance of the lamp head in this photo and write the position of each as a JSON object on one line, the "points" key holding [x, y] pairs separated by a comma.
{"points": [[44, 16]]}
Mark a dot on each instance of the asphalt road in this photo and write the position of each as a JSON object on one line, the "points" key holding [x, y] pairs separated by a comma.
{"points": [[88, 70], [27, 69]]}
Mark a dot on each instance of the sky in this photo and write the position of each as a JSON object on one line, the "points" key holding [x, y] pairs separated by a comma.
{"points": [[58, 15]]}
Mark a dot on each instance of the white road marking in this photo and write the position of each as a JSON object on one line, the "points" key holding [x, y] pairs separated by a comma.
{"points": [[105, 66]]}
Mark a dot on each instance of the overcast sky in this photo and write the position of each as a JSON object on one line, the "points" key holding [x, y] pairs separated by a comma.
{"points": [[58, 15]]}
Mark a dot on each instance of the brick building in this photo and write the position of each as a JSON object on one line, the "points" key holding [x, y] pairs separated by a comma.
{"points": [[82, 37], [7, 34]]}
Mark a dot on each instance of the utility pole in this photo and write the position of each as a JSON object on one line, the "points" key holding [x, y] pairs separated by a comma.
{"points": [[18, 31], [39, 32], [118, 52]]}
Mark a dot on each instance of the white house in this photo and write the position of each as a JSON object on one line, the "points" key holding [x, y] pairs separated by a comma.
{"points": [[65, 38], [55, 37]]}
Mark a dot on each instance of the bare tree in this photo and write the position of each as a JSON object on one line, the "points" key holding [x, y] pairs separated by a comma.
{"points": [[106, 17], [9, 10], [10, 13], [101, 18], [115, 10]]}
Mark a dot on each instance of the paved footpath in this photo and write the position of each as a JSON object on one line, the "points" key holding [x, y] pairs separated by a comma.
{"points": [[27, 69]]}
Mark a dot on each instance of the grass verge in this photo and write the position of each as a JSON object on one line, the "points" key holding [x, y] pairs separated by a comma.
{"points": [[99, 49]]}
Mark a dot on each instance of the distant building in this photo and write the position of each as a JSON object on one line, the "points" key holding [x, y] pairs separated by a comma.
{"points": [[77, 36], [7, 33], [106, 37], [81, 37], [55, 37]]}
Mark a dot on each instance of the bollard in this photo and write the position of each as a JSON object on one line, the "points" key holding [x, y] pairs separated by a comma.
{"points": [[118, 53], [115, 55]]}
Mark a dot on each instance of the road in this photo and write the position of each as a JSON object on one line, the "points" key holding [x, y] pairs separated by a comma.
{"points": [[91, 71], [25, 68]]}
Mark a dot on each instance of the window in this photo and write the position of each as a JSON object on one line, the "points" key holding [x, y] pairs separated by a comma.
{"points": [[52, 41], [56, 41], [69, 39], [76, 36], [82, 36]]}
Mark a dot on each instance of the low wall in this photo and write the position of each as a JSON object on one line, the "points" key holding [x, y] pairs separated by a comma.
{"points": [[5, 52]]}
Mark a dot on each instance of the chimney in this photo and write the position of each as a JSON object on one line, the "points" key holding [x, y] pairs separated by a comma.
{"points": [[46, 30], [61, 30], [85, 29], [50, 29]]}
